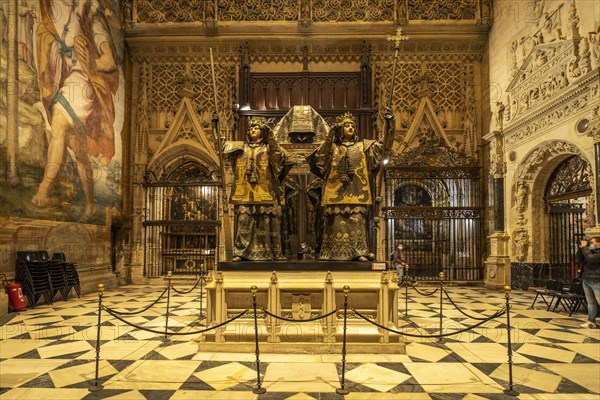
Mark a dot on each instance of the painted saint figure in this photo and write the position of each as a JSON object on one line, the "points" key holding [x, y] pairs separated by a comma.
{"points": [[345, 163], [78, 77], [260, 166]]}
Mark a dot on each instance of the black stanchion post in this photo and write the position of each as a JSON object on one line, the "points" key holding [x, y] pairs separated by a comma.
{"points": [[406, 293], [342, 390], [258, 389], [440, 339], [169, 276], [97, 387], [201, 315], [510, 391]]}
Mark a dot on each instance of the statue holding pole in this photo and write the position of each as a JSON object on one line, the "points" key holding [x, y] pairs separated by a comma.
{"points": [[260, 166], [345, 162]]}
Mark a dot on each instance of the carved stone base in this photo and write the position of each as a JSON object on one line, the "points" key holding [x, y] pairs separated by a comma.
{"points": [[3, 304], [301, 295], [497, 265]]}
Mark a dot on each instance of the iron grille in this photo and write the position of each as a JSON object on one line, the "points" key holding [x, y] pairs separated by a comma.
{"points": [[181, 228], [436, 215]]}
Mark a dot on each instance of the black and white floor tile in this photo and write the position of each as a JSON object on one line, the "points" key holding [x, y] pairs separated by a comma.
{"points": [[50, 353]]}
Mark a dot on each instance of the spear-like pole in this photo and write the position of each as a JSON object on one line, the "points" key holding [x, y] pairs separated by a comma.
{"points": [[378, 199], [217, 132], [215, 120], [397, 39]]}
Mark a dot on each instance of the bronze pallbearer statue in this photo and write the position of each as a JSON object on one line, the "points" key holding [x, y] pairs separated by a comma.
{"points": [[345, 163], [259, 168]]}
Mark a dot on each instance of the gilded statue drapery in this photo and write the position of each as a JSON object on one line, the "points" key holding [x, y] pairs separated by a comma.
{"points": [[260, 166], [345, 163]]}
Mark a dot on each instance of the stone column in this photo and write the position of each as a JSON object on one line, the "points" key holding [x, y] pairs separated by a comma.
{"points": [[330, 325], [497, 265], [498, 204], [274, 307], [384, 307]]}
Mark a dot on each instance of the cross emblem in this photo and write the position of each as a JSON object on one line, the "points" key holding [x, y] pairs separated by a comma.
{"points": [[397, 38]]}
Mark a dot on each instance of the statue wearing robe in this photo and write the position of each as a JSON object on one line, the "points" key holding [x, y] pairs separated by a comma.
{"points": [[345, 164], [260, 166]]}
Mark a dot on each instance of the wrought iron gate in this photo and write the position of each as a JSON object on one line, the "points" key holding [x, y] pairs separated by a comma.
{"points": [[436, 214], [566, 195], [566, 230], [181, 227]]}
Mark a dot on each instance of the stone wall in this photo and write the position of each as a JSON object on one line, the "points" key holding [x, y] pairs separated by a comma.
{"points": [[544, 62]]}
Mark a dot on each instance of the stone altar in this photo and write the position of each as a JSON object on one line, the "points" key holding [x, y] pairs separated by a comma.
{"points": [[300, 291]]}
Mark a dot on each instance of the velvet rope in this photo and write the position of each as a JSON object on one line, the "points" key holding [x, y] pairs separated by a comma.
{"points": [[496, 315], [175, 333], [136, 312]]}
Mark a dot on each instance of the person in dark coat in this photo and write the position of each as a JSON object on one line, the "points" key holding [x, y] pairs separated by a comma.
{"points": [[589, 255]]}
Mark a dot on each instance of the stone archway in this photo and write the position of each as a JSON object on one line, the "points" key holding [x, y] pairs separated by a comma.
{"points": [[530, 234], [569, 212]]}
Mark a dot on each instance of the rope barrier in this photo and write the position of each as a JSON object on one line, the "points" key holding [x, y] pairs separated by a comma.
{"points": [[461, 311], [505, 310], [422, 293], [175, 333], [187, 291], [300, 320], [496, 315], [139, 311]]}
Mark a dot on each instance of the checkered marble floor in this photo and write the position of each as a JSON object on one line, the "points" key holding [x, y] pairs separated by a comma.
{"points": [[49, 353]]}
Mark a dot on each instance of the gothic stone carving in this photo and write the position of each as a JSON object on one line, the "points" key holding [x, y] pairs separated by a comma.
{"points": [[521, 244], [540, 156], [305, 11]]}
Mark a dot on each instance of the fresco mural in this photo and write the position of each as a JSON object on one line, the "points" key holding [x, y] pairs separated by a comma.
{"points": [[70, 110]]}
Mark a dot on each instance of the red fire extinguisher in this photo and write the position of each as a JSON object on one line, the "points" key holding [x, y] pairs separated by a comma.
{"points": [[15, 294]]}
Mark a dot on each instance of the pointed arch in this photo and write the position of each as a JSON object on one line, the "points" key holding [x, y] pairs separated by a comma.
{"points": [[185, 139], [425, 119]]}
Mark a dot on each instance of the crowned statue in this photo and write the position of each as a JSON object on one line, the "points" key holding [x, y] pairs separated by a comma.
{"points": [[260, 166], [346, 162]]}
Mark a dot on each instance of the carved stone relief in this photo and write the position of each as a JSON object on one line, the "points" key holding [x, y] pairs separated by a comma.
{"points": [[305, 11], [522, 201], [497, 167], [521, 244], [540, 156], [554, 78]]}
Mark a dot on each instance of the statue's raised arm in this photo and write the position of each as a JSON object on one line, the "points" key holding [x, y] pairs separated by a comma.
{"points": [[345, 162]]}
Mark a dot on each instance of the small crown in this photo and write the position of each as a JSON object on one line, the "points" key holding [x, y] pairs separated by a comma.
{"points": [[347, 117], [257, 121]]}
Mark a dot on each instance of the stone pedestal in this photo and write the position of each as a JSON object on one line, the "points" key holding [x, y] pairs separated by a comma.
{"points": [[302, 295], [3, 304], [497, 265]]}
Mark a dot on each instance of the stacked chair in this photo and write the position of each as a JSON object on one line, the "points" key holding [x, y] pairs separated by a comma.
{"points": [[70, 268], [58, 277], [34, 277], [41, 276]]}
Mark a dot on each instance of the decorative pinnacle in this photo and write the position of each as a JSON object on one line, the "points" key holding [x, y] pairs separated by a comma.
{"points": [[253, 289], [506, 289], [169, 274], [346, 289], [397, 38], [101, 287], [442, 275]]}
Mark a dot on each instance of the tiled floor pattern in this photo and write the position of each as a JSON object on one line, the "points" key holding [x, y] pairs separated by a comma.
{"points": [[49, 353]]}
